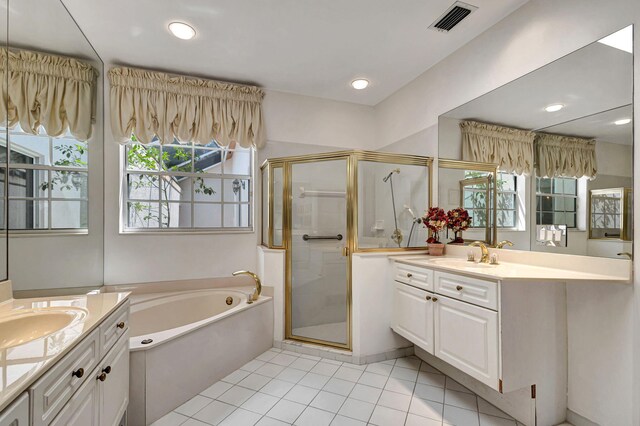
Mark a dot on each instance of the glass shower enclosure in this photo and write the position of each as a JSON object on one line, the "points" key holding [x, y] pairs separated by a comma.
{"points": [[320, 209]]}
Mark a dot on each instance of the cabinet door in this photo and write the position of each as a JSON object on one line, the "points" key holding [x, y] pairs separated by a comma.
{"points": [[83, 408], [466, 336], [413, 315], [114, 392], [16, 414]]}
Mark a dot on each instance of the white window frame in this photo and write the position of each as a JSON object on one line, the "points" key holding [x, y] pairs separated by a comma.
{"points": [[517, 202], [576, 197], [123, 199]]}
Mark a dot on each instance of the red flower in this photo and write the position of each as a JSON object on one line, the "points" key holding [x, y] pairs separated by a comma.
{"points": [[458, 219], [435, 220]]}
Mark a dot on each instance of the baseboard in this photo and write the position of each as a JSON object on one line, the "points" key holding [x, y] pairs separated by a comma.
{"points": [[577, 420], [340, 354]]}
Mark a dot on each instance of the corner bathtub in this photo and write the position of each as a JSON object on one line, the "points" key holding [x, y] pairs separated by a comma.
{"points": [[197, 338]]}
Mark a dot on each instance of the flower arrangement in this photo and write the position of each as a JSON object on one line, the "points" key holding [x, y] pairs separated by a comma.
{"points": [[435, 220], [458, 220]]}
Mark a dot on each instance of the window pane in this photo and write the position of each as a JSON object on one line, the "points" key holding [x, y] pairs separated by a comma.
{"points": [[236, 190], [506, 182], [570, 204], [177, 158], [29, 149], [559, 219], [546, 219], [69, 184], [544, 185], [571, 219], [236, 215], [69, 214], [176, 215], [28, 214], [175, 188], [207, 189], [70, 153], [207, 215], [143, 187], [570, 186], [558, 204], [506, 201], [143, 157], [28, 183], [545, 203], [143, 215], [207, 160]]}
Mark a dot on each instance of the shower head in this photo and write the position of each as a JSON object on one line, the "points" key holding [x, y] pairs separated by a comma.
{"points": [[385, 179], [413, 215]]}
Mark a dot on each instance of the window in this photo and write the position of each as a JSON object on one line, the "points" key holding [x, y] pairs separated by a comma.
{"points": [[187, 187], [476, 196], [557, 201], [48, 182]]}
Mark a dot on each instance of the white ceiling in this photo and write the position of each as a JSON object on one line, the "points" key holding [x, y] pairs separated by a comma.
{"points": [[309, 47], [599, 126]]}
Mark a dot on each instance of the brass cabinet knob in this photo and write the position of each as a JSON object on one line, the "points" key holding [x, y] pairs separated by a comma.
{"points": [[120, 324], [78, 373], [107, 369], [435, 299], [428, 297], [459, 287], [102, 377], [409, 275]]}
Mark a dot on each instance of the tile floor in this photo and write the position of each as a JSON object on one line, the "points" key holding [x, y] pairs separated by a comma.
{"points": [[287, 388]]}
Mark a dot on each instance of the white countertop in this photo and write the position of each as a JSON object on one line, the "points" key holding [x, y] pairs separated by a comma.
{"points": [[508, 271], [23, 364]]}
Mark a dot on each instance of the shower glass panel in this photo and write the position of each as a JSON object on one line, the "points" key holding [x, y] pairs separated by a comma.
{"points": [[318, 263], [391, 199]]}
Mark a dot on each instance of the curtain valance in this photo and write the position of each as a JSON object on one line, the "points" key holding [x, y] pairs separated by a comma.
{"points": [[55, 92], [151, 104], [567, 156], [511, 149]]}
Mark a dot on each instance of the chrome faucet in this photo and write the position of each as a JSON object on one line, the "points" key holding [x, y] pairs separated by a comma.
{"points": [[258, 290], [504, 243], [483, 248]]}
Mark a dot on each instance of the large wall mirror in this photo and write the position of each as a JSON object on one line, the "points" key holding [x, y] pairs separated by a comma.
{"points": [[562, 139], [54, 138]]}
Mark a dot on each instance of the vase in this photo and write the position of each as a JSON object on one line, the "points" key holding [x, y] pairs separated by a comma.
{"points": [[457, 239], [435, 249]]}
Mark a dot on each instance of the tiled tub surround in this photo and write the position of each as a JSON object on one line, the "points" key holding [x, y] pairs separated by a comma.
{"points": [[198, 343], [288, 388]]}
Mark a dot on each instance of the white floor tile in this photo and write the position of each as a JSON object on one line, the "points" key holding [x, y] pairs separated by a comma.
{"points": [[214, 413], [411, 362], [325, 369], [301, 394], [432, 379], [360, 367], [267, 356], [459, 416], [314, 417], [216, 389], [236, 395], [486, 408], [453, 385], [339, 386], [283, 359], [171, 419], [268, 421], [365, 393], [291, 375], [432, 393], [194, 422], [355, 409], [425, 408], [347, 373], [415, 420], [311, 357], [241, 417], [468, 401], [379, 368], [333, 361], [236, 376], [252, 365], [401, 386], [254, 381], [426, 367], [384, 416], [395, 400], [328, 401], [487, 420], [371, 379], [390, 362], [346, 421], [303, 364], [292, 353], [269, 370], [286, 411], [404, 373], [260, 403], [277, 388], [192, 406], [313, 380]]}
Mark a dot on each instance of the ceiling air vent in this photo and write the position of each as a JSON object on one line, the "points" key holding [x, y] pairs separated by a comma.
{"points": [[452, 16]]}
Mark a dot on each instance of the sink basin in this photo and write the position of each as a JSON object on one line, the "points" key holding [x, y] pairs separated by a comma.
{"points": [[22, 326], [463, 264]]}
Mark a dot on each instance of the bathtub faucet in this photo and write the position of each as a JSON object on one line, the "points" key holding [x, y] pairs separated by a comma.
{"points": [[258, 290]]}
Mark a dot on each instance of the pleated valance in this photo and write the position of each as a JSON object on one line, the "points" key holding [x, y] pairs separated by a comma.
{"points": [[151, 104], [511, 149], [55, 92], [567, 156]]}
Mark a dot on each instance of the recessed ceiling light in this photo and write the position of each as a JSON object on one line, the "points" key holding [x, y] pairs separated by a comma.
{"points": [[554, 107], [182, 30], [622, 39], [360, 84], [622, 121]]}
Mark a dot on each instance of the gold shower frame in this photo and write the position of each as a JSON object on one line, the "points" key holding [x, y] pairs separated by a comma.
{"points": [[351, 244]]}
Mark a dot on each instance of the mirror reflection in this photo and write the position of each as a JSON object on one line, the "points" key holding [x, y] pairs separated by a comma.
{"points": [[562, 139]]}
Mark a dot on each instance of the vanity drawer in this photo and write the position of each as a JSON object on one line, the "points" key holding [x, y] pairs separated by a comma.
{"points": [[52, 391], [113, 327], [414, 275], [472, 290]]}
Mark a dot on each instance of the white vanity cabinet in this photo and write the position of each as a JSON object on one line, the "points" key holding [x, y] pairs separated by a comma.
{"points": [[17, 414], [413, 315]]}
